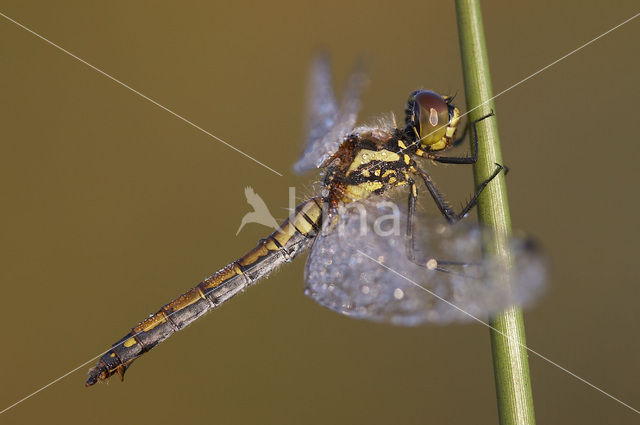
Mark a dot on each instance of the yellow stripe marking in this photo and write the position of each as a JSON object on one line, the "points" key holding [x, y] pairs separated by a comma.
{"points": [[185, 300], [456, 118], [441, 144], [312, 210], [130, 342], [365, 156], [254, 255], [284, 233], [271, 245], [302, 224], [150, 323], [201, 293], [221, 276], [360, 191]]}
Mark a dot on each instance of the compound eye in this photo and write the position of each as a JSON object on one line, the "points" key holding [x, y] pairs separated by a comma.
{"points": [[431, 116]]}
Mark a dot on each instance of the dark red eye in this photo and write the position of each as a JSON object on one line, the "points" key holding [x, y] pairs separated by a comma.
{"points": [[429, 116], [431, 108]]}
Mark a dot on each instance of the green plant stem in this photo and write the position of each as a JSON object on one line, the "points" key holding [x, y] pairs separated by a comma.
{"points": [[510, 362]]}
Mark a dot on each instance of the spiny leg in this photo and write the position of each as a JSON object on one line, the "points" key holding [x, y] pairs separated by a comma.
{"points": [[432, 263], [451, 216], [456, 268], [441, 202], [410, 245]]}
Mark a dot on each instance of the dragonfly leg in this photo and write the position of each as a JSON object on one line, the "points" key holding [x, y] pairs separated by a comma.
{"points": [[437, 196], [441, 202], [461, 273], [444, 266], [413, 196], [432, 263]]}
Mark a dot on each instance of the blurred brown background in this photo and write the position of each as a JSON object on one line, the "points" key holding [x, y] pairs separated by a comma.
{"points": [[111, 207]]}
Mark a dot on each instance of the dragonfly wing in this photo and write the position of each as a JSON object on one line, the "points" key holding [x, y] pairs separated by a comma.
{"points": [[359, 267], [327, 125]]}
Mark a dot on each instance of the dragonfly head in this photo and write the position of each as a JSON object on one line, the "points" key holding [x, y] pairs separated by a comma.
{"points": [[432, 118]]}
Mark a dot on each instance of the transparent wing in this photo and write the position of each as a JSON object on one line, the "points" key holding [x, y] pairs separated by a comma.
{"points": [[326, 125], [322, 108], [359, 267]]}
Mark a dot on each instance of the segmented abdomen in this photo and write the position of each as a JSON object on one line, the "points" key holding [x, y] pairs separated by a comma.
{"points": [[291, 238]]}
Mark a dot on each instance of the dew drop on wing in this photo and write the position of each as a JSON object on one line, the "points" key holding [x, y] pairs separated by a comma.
{"points": [[404, 293]]}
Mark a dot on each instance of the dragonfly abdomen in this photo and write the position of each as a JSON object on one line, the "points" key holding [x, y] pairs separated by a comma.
{"points": [[291, 238]]}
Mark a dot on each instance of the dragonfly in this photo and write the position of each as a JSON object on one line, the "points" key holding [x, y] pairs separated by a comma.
{"points": [[370, 258]]}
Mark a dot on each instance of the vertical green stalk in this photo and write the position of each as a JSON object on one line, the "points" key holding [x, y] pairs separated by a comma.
{"points": [[511, 366]]}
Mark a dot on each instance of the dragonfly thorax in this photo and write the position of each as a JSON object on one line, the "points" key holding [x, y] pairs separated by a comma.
{"points": [[368, 163]]}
